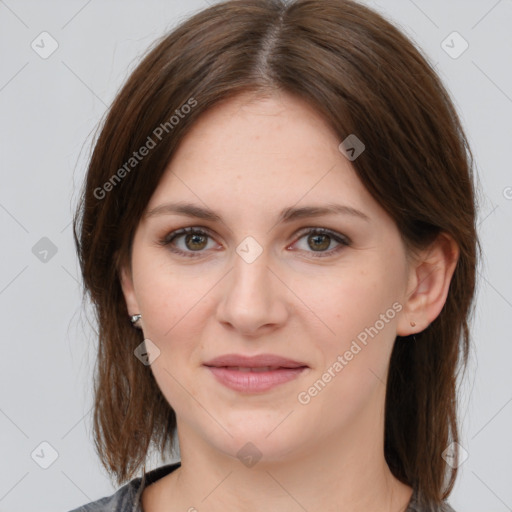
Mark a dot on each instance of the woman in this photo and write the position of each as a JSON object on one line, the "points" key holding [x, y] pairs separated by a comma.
{"points": [[277, 231]]}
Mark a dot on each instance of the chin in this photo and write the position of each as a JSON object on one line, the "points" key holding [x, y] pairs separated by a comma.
{"points": [[264, 443]]}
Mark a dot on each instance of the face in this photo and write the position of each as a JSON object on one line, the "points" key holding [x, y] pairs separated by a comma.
{"points": [[323, 290]]}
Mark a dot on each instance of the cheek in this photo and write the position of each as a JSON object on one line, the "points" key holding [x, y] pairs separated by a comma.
{"points": [[360, 308], [357, 309], [161, 294], [172, 310], [345, 301]]}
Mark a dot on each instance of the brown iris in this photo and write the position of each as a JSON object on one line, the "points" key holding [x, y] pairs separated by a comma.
{"points": [[199, 241], [317, 237]]}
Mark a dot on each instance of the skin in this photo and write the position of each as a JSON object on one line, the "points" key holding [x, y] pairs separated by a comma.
{"points": [[247, 159]]}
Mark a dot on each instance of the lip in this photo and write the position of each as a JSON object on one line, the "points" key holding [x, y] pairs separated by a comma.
{"points": [[257, 361], [254, 382], [234, 371]]}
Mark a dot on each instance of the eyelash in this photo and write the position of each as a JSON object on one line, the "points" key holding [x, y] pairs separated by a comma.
{"points": [[167, 240]]}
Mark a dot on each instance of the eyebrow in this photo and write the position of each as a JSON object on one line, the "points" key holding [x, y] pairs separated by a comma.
{"points": [[287, 214]]}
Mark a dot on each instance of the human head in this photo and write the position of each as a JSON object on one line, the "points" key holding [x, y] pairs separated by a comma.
{"points": [[363, 77]]}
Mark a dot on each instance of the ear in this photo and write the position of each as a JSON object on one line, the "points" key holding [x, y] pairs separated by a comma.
{"points": [[429, 281], [126, 279]]}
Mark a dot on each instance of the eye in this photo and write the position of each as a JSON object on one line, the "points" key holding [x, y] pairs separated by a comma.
{"points": [[319, 239], [193, 239]]}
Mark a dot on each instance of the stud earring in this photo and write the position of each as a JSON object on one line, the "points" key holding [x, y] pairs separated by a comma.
{"points": [[135, 318], [413, 324]]}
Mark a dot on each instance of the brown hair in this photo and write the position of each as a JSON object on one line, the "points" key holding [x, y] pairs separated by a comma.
{"points": [[365, 78]]}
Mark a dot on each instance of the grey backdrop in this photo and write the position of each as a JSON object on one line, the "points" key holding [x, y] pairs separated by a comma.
{"points": [[62, 63]]}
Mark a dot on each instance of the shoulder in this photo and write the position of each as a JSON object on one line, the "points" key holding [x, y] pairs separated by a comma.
{"points": [[127, 498], [444, 507], [121, 500], [420, 504]]}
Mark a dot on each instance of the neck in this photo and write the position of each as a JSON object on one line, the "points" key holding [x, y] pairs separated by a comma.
{"points": [[347, 469]]}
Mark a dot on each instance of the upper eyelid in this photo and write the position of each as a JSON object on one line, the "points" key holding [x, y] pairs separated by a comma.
{"points": [[298, 234], [186, 230]]}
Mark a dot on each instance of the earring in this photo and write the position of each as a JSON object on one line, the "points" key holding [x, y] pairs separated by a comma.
{"points": [[135, 318], [413, 324]]}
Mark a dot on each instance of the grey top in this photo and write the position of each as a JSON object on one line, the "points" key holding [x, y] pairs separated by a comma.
{"points": [[128, 497]]}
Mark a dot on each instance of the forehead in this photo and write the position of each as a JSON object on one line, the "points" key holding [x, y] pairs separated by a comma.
{"points": [[254, 129], [261, 153]]}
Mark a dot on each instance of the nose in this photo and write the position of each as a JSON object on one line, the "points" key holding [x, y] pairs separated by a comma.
{"points": [[254, 297]]}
